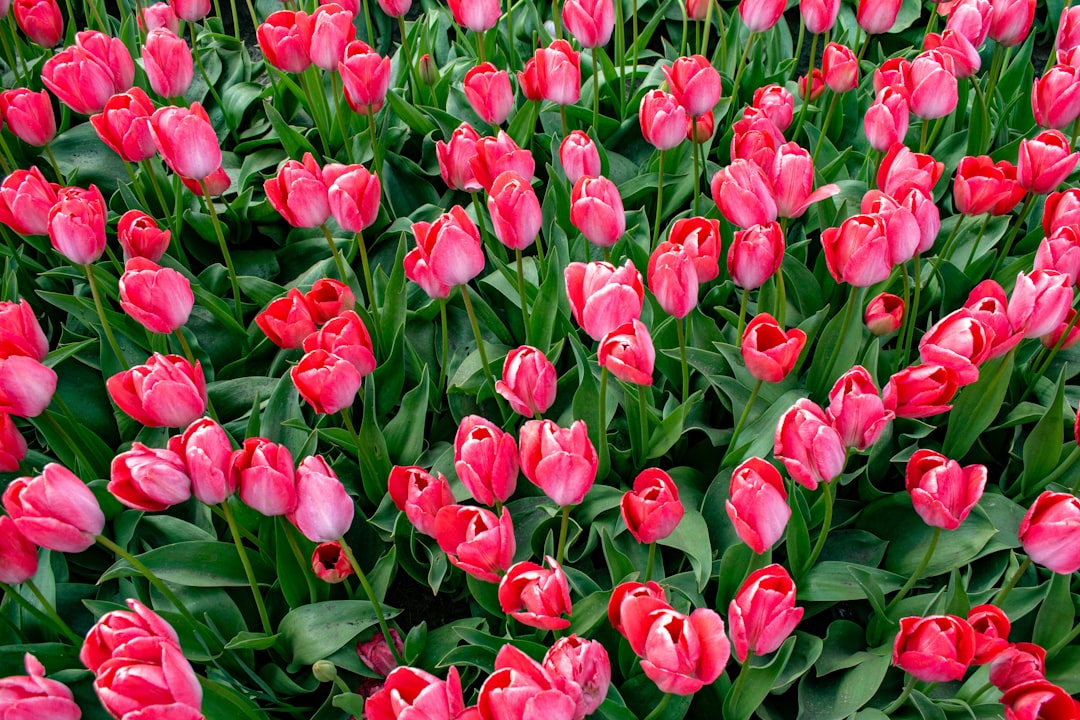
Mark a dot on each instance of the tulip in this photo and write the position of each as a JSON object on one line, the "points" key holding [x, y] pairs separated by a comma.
{"points": [[55, 510], [207, 454], [29, 116], [792, 181], [1040, 699], [287, 320], [365, 78], [328, 382], [1060, 209], [673, 279], [920, 391], [763, 614], [331, 29], [285, 40], [213, 185], [1050, 532], [149, 479], [560, 461], [454, 159], [191, 10], [1018, 664], [264, 472], [558, 73], [960, 342], [159, 15], [755, 255], [591, 22], [633, 593], [769, 352], [26, 386], [536, 596], [167, 62], [26, 198], [377, 654], [942, 492], [476, 15], [410, 692], [12, 445], [394, 8], [40, 20], [165, 392], [840, 68], [488, 92], [580, 669], [903, 233], [528, 381], [758, 507], [1068, 34], [984, 186], [1040, 301], [603, 297], [186, 140], [697, 10], [886, 120], [330, 564], [810, 448], [856, 410], [958, 49], [596, 209], [744, 195], [115, 629], [988, 303], [991, 626], [80, 80], [680, 653], [937, 648], [475, 540], [775, 102], [628, 353], [1010, 21], [419, 495], [760, 15], [971, 18], [1044, 162], [152, 672], [520, 687], [812, 85], [756, 138], [579, 157], [450, 248], [18, 556], [159, 299], [652, 510], [124, 125], [901, 169], [328, 299], [701, 128], [348, 338], [858, 252], [700, 237], [516, 217], [662, 119], [323, 510], [877, 16], [1052, 338], [486, 460], [33, 695], [1055, 97], [819, 16], [20, 332], [884, 314], [353, 193], [694, 82], [299, 193], [77, 224]]}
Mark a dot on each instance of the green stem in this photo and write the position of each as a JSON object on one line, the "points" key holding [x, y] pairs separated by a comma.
{"points": [[833, 97], [742, 420], [480, 343], [304, 563], [368, 282], [738, 75], [367, 23], [184, 346], [135, 186], [904, 349], [620, 50], [151, 577], [644, 419], [659, 218], [742, 318], [49, 615], [339, 110], [911, 314], [826, 525], [233, 280], [413, 82], [658, 713], [564, 527], [347, 421], [852, 299], [736, 689], [946, 249], [918, 571], [634, 44], [922, 136], [202, 71], [105, 326], [679, 322], [376, 152], [695, 148], [798, 51], [780, 308], [602, 419], [512, 50], [336, 253], [910, 684], [521, 293], [52, 162], [596, 91], [650, 563], [1003, 593], [148, 169], [75, 447], [1028, 204], [445, 346], [234, 530], [995, 71], [376, 606], [978, 239]]}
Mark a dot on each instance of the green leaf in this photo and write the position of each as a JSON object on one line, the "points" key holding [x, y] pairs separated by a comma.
{"points": [[194, 564], [618, 564], [1055, 614], [251, 641], [405, 432], [221, 702], [589, 612], [839, 346], [691, 536], [976, 406], [295, 143], [831, 581], [375, 463], [1042, 449], [415, 119], [545, 309], [671, 427], [284, 405], [838, 695], [350, 703], [926, 707], [761, 675], [313, 632]]}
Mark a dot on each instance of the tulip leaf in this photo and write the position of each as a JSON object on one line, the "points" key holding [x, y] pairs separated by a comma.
{"points": [[194, 564], [247, 640], [761, 675], [838, 695], [316, 631], [618, 564], [221, 702], [1042, 449], [374, 458], [691, 536], [839, 346], [405, 431], [1056, 612], [926, 707], [976, 406], [283, 405]]}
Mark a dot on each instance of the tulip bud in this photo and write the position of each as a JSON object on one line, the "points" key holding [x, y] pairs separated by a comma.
{"points": [[168, 63], [1050, 532], [429, 71], [55, 510], [77, 224], [365, 78], [694, 82], [330, 564], [324, 510], [488, 92], [884, 314], [486, 460], [29, 115], [628, 353], [652, 511], [596, 209], [673, 279], [810, 448], [758, 507], [528, 381], [812, 85], [160, 299], [515, 211], [536, 596], [763, 614]]}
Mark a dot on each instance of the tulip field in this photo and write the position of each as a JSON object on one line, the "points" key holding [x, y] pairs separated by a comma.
{"points": [[539, 360]]}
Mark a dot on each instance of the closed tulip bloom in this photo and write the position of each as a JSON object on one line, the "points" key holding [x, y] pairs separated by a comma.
{"points": [[628, 353], [1055, 97], [1018, 664], [858, 252], [536, 596], [951, 43], [528, 381], [12, 446], [328, 299], [55, 510], [700, 238], [159, 299], [819, 15], [191, 10], [768, 351], [26, 198], [662, 119], [760, 15], [1010, 21], [1068, 34], [755, 255], [886, 120], [476, 541], [775, 103], [792, 181], [596, 209], [28, 115], [1040, 301], [1050, 532], [758, 507], [520, 687], [652, 510], [324, 511], [299, 193], [19, 555], [20, 332], [488, 91], [877, 16], [763, 614], [353, 194], [697, 10], [330, 564], [960, 342], [578, 156], [884, 314], [856, 409], [560, 461], [365, 78], [810, 448], [124, 125], [694, 82], [151, 673], [412, 693], [186, 140], [903, 232], [603, 297], [26, 386], [331, 29], [515, 211], [450, 247], [165, 392], [1060, 209], [207, 454], [77, 224], [326, 381], [840, 68], [1041, 699], [1061, 252], [983, 186], [149, 479], [580, 669], [476, 15], [630, 592], [347, 337], [991, 626], [920, 391], [937, 648], [264, 472], [285, 40], [591, 22], [455, 157], [744, 195], [215, 184], [971, 18], [33, 695], [40, 20], [486, 460], [558, 73], [168, 63], [756, 138], [117, 628], [287, 321], [680, 653], [812, 85], [1044, 162], [673, 279], [942, 492], [159, 15], [901, 169], [79, 80], [495, 155], [420, 495], [394, 8]]}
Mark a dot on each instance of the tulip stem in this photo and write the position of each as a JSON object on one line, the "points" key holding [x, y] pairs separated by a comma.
{"points": [[135, 186], [564, 528], [826, 524], [695, 149], [305, 564], [376, 606], [917, 573], [151, 577], [999, 598], [202, 71], [1028, 204], [742, 318], [909, 685], [946, 250], [557, 18], [634, 45], [995, 71], [780, 307], [651, 561], [679, 323], [372, 305], [480, 345], [562, 114], [738, 75], [445, 347], [742, 421], [620, 51], [336, 253], [521, 293], [852, 300], [184, 346], [596, 90], [658, 219], [1060, 644], [414, 85], [833, 97], [903, 350], [644, 420], [978, 239], [105, 326], [658, 713], [1052, 353], [339, 110], [911, 313], [48, 614], [375, 154], [9, 56], [367, 23], [602, 423], [52, 162], [234, 530], [148, 169], [234, 281]]}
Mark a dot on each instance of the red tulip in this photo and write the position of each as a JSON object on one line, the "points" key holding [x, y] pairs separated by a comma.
{"points": [[475, 540], [20, 332], [856, 410], [328, 382], [151, 673], [1060, 209], [652, 510], [328, 299], [763, 614], [149, 479], [165, 392], [55, 510], [528, 381], [884, 314], [168, 63], [40, 20], [29, 116], [810, 448], [942, 492], [700, 129], [991, 626], [560, 461], [700, 238], [628, 353], [26, 198], [694, 82], [287, 320], [1039, 700], [486, 460], [285, 40], [769, 352], [115, 629], [984, 186], [419, 495], [186, 140], [901, 169], [758, 507], [744, 194], [596, 209], [33, 695], [591, 22], [365, 78], [920, 391], [26, 386], [1050, 532], [330, 564], [488, 92], [1018, 664], [680, 653], [536, 596], [630, 592], [409, 692], [207, 452], [455, 157], [124, 125], [450, 248], [812, 85], [937, 648]]}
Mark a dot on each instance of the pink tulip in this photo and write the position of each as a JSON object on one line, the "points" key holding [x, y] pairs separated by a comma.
{"points": [[26, 198], [680, 653], [960, 342], [55, 510], [207, 452], [353, 194], [662, 119], [937, 648], [901, 169], [165, 392], [1040, 301], [819, 16], [328, 299], [579, 156], [419, 495], [287, 320], [560, 461], [475, 540], [124, 125], [299, 193], [328, 382], [151, 673], [628, 353], [744, 194], [755, 255], [596, 209], [528, 381], [652, 510], [673, 279], [77, 224], [991, 626], [856, 409], [347, 337], [884, 314], [877, 16], [886, 120], [33, 695], [488, 92], [920, 391], [859, 252], [499, 154], [159, 299], [365, 78], [516, 217], [763, 614], [330, 564], [149, 479], [20, 332], [455, 156], [186, 140], [942, 492], [1050, 532], [28, 115], [12, 446], [769, 352], [409, 692], [558, 73], [117, 628], [591, 22], [810, 448], [520, 687], [285, 40], [581, 670], [159, 15], [168, 63], [486, 460], [1044, 162], [450, 248], [1010, 21], [774, 102], [331, 29], [476, 15], [324, 510], [694, 82], [18, 556], [758, 507], [700, 238], [603, 297], [191, 10], [264, 472], [792, 181], [26, 386], [41, 20], [760, 15], [536, 596], [1040, 699]]}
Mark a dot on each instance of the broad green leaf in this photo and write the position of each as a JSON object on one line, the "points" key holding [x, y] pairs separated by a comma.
{"points": [[692, 537], [405, 433], [313, 632], [1055, 614], [761, 675], [1042, 449], [976, 406], [838, 695], [194, 564], [221, 702]]}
